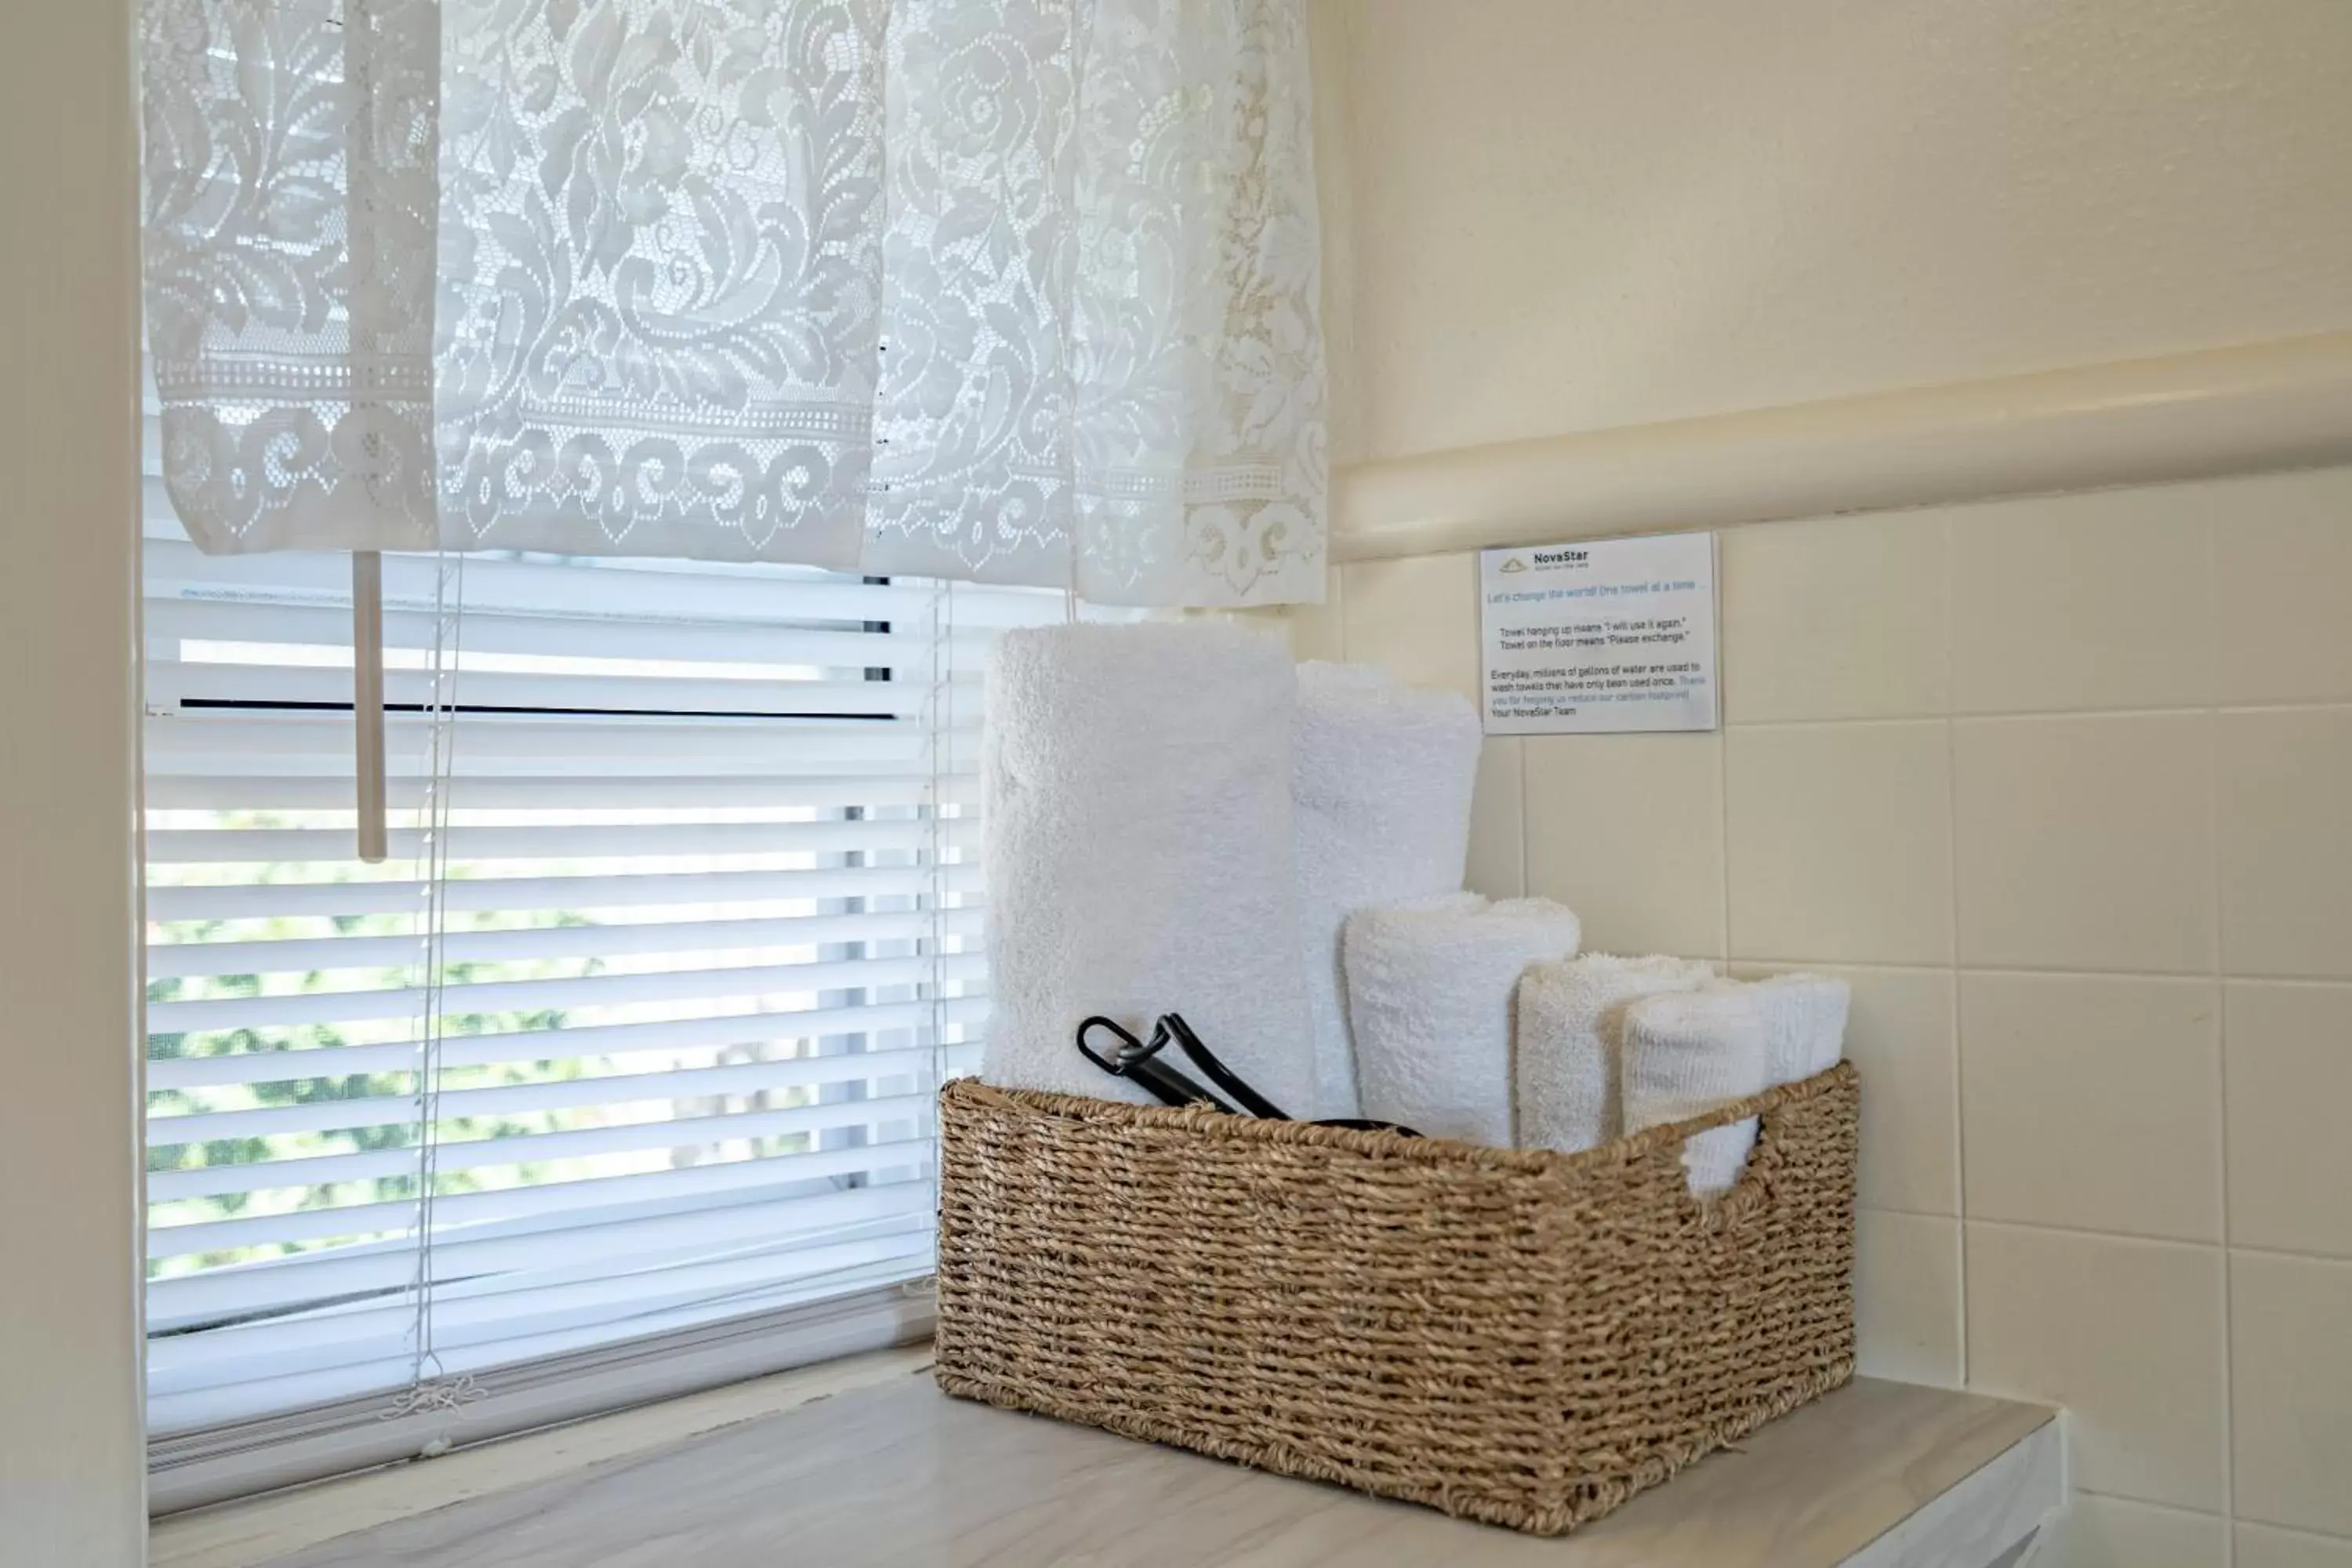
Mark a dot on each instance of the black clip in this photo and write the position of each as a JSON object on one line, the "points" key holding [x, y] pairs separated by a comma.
{"points": [[1172, 1024], [1137, 1060]]}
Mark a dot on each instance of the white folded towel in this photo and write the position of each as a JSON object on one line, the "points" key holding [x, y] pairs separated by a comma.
{"points": [[1687, 1052], [1804, 1024], [1430, 988], [1571, 1017], [1141, 850], [1384, 779]]}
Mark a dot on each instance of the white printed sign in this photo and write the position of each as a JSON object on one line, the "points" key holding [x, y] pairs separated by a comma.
{"points": [[1599, 636]]}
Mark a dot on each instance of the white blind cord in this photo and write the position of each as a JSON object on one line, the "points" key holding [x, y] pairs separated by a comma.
{"points": [[428, 1388], [942, 709]]}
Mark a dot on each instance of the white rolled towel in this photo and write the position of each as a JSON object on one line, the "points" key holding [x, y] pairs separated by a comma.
{"points": [[1571, 1022], [1688, 1052], [1383, 787], [1804, 1024], [1141, 850], [1430, 995]]}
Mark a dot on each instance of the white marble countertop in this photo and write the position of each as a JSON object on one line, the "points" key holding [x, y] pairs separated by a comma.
{"points": [[1878, 1475]]}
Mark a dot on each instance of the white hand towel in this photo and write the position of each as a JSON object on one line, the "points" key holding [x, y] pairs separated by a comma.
{"points": [[1141, 850], [1384, 778], [1804, 1024], [1571, 1022], [1430, 986], [1687, 1052]]}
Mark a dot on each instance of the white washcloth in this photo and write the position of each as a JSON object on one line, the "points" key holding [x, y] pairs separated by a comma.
{"points": [[1804, 1024], [1687, 1052], [1139, 843], [1571, 1017], [1384, 779], [1430, 986]]}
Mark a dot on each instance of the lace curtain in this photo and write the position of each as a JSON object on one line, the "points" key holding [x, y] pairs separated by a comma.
{"points": [[1006, 290]]}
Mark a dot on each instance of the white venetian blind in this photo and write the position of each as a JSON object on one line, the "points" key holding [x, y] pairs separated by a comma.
{"points": [[635, 1032]]}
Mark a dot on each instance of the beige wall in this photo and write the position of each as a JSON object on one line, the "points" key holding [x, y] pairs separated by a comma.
{"points": [[71, 1466], [1565, 215], [2059, 786]]}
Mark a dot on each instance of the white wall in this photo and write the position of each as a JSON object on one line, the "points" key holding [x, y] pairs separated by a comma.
{"points": [[1571, 215], [71, 1463]]}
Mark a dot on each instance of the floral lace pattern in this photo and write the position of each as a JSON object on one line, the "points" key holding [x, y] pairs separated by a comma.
{"points": [[290, 153], [1014, 290], [659, 252]]}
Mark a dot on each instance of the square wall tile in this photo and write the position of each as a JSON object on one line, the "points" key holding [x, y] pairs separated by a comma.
{"points": [[1907, 1297], [2126, 1334], [1497, 864], [1843, 617], [2286, 842], [2108, 1532], [2283, 588], [1416, 618], [1840, 843], [2085, 843], [1627, 830], [2263, 1546], [2291, 1391], [2289, 1051], [2093, 1103], [1900, 1036], [2097, 600]]}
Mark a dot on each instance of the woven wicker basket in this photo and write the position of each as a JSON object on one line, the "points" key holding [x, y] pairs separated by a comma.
{"points": [[1523, 1338]]}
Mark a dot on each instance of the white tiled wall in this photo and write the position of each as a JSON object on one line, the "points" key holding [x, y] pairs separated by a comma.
{"points": [[2063, 786]]}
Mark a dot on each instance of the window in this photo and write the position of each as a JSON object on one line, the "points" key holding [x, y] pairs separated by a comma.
{"points": [[616, 1078]]}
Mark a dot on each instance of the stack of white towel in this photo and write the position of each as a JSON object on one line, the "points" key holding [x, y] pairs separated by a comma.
{"points": [[1571, 1042], [1613, 1045], [1478, 1021], [1178, 820]]}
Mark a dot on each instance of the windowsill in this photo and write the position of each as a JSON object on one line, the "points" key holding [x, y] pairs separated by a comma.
{"points": [[247, 1533], [1879, 1475]]}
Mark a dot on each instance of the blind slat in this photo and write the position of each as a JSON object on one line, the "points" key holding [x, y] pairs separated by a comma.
{"points": [[597, 1041], [512, 746], [540, 1301], [235, 791], [215, 1014], [635, 589], [582, 940], [481, 1153], [506, 1099], [175, 682], [174, 846], [241, 900], [558, 1236], [519, 1329], [313, 1225], [647, 591], [172, 621]]}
